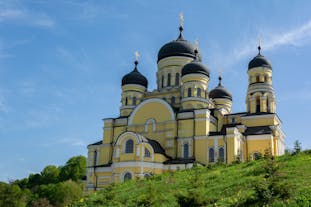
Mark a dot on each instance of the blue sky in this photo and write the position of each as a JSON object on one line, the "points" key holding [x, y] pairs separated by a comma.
{"points": [[61, 64]]}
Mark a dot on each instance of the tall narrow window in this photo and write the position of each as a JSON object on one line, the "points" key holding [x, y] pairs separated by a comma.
{"points": [[177, 79], [169, 79], [211, 155], [257, 78], [186, 150], [126, 101], [221, 154], [199, 92], [266, 78], [173, 100], [257, 104], [189, 92], [129, 146], [147, 153], [134, 101], [95, 158], [162, 81]]}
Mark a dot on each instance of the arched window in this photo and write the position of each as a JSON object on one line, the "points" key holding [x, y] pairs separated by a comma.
{"points": [[129, 146], [199, 92], [134, 101], [256, 155], [169, 79], [173, 100], [162, 81], [266, 78], [177, 79], [189, 92], [268, 105], [147, 175], [257, 104], [126, 101], [221, 154], [211, 155], [186, 150], [127, 176], [147, 153], [257, 78], [95, 158]]}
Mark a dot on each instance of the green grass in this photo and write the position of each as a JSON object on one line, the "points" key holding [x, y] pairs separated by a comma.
{"points": [[219, 185]]}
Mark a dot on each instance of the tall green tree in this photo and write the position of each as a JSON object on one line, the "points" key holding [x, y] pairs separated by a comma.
{"points": [[50, 174], [75, 169], [12, 196], [297, 147]]}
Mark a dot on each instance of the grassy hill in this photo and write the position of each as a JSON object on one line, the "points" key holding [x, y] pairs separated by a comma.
{"points": [[284, 181]]}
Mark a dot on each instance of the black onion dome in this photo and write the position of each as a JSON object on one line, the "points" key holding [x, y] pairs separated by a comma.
{"points": [[179, 47], [259, 61], [195, 67], [220, 92], [135, 77]]}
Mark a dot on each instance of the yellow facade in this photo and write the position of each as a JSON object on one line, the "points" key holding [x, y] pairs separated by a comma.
{"points": [[182, 122]]}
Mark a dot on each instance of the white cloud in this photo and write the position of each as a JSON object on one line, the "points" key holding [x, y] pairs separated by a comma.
{"points": [[271, 41], [13, 12]]}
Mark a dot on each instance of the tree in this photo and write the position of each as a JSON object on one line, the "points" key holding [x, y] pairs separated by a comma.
{"points": [[34, 180], [74, 169], [297, 147], [50, 174], [12, 196], [61, 194]]}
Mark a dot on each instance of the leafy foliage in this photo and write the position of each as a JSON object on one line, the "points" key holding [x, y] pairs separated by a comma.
{"points": [[269, 181], [53, 187]]}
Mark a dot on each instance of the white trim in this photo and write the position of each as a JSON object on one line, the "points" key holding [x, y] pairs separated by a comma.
{"points": [[259, 115], [151, 100], [127, 107], [194, 75], [202, 111], [195, 99], [108, 120], [185, 115], [215, 149], [121, 121], [200, 137], [202, 119], [184, 139], [259, 137], [124, 87], [150, 121], [98, 146]]}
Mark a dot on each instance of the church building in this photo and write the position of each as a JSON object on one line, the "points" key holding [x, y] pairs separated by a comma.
{"points": [[183, 121]]}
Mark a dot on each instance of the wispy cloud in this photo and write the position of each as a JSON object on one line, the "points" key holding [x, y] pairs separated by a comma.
{"points": [[271, 41], [89, 11], [14, 11]]}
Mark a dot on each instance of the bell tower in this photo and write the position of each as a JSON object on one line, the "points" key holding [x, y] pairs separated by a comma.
{"points": [[260, 96]]}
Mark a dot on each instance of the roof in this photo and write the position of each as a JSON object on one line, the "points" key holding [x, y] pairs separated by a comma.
{"points": [[178, 161], [157, 148], [195, 67], [135, 77], [220, 92], [259, 61], [179, 47], [96, 143], [258, 130]]}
